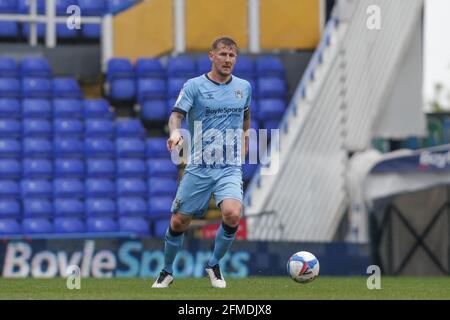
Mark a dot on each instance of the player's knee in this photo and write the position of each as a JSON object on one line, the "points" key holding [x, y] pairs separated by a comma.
{"points": [[231, 216], [178, 223]]}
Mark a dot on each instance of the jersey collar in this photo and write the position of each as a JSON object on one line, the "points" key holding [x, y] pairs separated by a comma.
{"points": [[217, 83]]}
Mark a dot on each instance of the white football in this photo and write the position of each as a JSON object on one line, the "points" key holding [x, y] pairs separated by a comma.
{"points": [[303, 267]]}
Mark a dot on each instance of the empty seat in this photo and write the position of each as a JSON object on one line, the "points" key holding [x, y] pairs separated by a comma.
{"points": [[67, 108], [131, 168], [37, 128], [103, 128], [149, 68], [36, 108], [10, 148], [10, 169], [174, 86], [119, 68], [130, 127], [66, 207], [100, 187], [150, 89], [157, 148], [271, 88], [162, 187], [100, 167], [160, 227], [244, 67], [9, 226], [10, 108], [37, 168], [269, 66], [8, 65], [69, 168], [39, 88], [132, 206], [9, 208], [36, 226], [26, 30], [68, 147], [120, 77], [70, 188], [91, 8], [161, 168], [10, 128], [203, 65], [9, 29], [122, 90], [37, 207], [159, 206], [102, 224], [130, 147], [10, 88], [37, 147], [271, 109], [36, 188], [181, 66], [154, 110], [68, 128], [35, 67], [99, 147], [131, 187], [97, 108], [66, 88], [101, 207], [134, 225], [69, 225]]}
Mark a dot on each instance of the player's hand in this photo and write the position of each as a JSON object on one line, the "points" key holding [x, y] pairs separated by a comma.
{"points": [[174, 140]]}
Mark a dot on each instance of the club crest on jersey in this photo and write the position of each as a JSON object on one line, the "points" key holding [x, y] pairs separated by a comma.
{"points": [[239, 94]]}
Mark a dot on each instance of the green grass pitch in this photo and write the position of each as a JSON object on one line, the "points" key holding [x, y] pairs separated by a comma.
{"points": [[252, 288]]}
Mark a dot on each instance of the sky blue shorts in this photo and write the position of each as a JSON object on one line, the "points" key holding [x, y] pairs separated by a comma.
{"points": [[198, 183]]}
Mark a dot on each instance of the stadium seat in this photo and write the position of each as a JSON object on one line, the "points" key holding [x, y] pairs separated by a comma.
{"points": [[157, 148], [248, 170], [68, 147], [131, 168], [36, 188], [37, 207], [271, 88], [10, 148], [92, 8], [97, 108], [130, 147], [244, 67], [100, 147], [8, 6], [10, 108], [154, 110], [63, 32], [131, 187], [8, 66], [37, 168], [26, 30], [91, 31], [68, 128], [66, 207], [9, 226], [150, 89], [160, 227], [119, 68], [10, 169], [162, 187], [69, 168], [132, 206], [270, 66], [67, 108], [120, 77], [9, 208], [35, 67], [101, 224], [174, 86], [101, 207], [253, 84], [163, 168], [37, 147], [203, 65], [159, 206], [100, 128], [9, 29], [100, 167], [37, 128], [69, 225], [271, 109], [129, 127], [100, 187], [39, 88], [67, 88], [10, 88], [70, 188], [122, 90], [36, 226], [149, 68], [36, 108], [10, 128], [181, 66], [134, 225]]}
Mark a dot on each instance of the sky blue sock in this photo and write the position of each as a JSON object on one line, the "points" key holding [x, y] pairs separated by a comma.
{"points": [[224, 239], [173, 243]]}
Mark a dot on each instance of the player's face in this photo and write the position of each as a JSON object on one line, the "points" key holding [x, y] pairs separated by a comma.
{"points": [[223, 59]]}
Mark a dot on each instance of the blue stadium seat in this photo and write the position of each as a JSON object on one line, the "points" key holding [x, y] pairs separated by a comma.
{"points": [[36, 226], [63, 32], [9, 226], [159, 206], [101, 224], [100, 128], [35, 67], [100, 187], [130, 147], [67, 88], [37, 147], [253, 84], [132, 206], [244, 67], [248, 170], [8, 66], [131, 187], [181, 66], [10, 88], [149, 68], [91, 8], [10, 108], [174, 86], [122, 90], [160, 227], [100, 147], [254, 125], [119, 68], [36, 108], [162, 187], [39, 88], [10, 128], [69, 225], [271, 109], [66, 207], [157, 148], [271, 88], [37, 207], [24, 6], [10, 148], [131, 168], [8, 6], [68, 147], [101, 207], [163, 168], [148, 88], [26, 30], [134, 225], [105, 168], [67, 108], [270, 66], [37, 168], [120, 77], [36, 188], [97, 108], [203, 65], [68, 128], [37, 128], [70, 188], [69, 168], [269, 125], [154, 110], [9, 29], [10, 169], [130, 127], [9, 208]]}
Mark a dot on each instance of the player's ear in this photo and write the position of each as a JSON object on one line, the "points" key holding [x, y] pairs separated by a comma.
{"points": [[210, 55]]}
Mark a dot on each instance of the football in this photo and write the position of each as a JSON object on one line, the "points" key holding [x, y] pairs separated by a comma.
{"points": [[303, 267]]}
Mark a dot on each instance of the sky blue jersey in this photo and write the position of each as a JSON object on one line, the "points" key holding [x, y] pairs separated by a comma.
{"points": [[215, 117]]}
